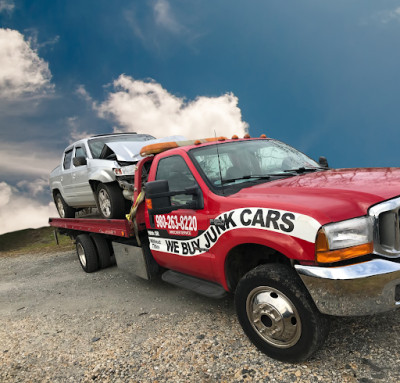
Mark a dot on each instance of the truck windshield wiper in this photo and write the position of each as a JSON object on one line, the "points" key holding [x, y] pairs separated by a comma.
{"points": [[248, 177], [303, 170]]}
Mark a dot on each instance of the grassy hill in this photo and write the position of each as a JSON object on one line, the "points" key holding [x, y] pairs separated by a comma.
{"points": [[33, 241]]}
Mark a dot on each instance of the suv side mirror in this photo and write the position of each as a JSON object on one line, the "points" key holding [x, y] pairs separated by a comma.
{"points": [[323, 162], [79, 161], [158, 198]]}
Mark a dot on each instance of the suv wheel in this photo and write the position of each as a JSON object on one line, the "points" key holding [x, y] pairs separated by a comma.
{"points": [[64, 210], [111, 202]]}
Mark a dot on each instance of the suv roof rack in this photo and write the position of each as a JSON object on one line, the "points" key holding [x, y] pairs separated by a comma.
{"points": [[112, 134]]}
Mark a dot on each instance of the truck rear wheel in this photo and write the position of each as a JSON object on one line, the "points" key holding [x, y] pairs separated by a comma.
{"points": [[111, 202], [278, 315], [87, 253], [64, 210], [103, 250]]}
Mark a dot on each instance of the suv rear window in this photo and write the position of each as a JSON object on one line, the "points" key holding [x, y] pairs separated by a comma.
{"points": [[67, 159]]}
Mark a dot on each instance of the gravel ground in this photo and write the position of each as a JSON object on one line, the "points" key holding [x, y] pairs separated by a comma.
{"points": [[60, 324]]}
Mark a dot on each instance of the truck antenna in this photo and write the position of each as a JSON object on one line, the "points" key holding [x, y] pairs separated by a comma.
{"points": [[219, 165]]}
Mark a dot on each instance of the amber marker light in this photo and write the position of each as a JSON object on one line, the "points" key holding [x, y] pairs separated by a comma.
{"points": [[149, 204], [247, 135], [263, 136], [235, 137]]}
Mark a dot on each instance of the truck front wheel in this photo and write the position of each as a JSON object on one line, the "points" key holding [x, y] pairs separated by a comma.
{"points": [[278, 315]]}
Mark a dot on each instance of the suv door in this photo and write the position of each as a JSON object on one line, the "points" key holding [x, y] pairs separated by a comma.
{"points": [[83, 194], [66, 177]]}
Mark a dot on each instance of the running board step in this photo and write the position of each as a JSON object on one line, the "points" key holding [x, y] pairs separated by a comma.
{"points": [[200, 286]]}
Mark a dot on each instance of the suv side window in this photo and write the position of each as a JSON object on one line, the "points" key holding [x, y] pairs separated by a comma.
{"points": [[175, 170], [67, 159], [80, 152]]}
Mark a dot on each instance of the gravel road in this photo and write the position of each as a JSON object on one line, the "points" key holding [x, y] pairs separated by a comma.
{"points": [[60, 324]]}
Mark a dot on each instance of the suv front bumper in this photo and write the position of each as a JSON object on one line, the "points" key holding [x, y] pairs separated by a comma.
{"points": [[360, 289]]}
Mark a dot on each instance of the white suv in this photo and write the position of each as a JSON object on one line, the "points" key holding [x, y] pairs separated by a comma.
{"points": [[99, 172]]}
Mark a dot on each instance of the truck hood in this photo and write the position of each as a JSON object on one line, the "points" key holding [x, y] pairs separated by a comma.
{"points": [[328, 196], [130, 150]]}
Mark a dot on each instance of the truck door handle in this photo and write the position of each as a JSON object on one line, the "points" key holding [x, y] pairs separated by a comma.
{"points": [[217, 222]]}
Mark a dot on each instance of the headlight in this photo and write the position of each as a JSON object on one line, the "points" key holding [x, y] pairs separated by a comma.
{"points": [[344, 240], [125, 170]]}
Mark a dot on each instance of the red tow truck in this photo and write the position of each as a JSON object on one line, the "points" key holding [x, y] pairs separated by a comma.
{"points": [[292, 239]]}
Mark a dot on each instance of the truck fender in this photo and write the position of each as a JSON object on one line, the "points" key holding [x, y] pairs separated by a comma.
{"points": [[248, 251]]}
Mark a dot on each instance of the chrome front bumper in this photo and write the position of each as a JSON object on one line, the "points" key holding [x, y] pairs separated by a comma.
{"points": [[361, 289]]}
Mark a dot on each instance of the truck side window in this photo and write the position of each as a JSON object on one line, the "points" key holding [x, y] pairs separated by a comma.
{"points": [[175, 170], [80, 152], [67, 159]]}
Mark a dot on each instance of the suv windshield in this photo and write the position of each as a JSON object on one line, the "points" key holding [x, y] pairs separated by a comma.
{"points": [[235, 163], [96, 144]]}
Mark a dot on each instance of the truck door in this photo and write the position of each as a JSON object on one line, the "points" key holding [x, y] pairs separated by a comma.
{"points": [[178, 230]]}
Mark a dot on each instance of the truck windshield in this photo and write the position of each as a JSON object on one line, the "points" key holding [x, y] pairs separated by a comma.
{"points": [[96, 144], [235, 163]]}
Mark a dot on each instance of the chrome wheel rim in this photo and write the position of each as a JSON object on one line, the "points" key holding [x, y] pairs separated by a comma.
{"points": [[81, 254], [104, 203], [273, 316], [60, 207]]}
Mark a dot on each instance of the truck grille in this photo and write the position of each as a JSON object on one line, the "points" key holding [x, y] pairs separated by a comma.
{"points": [[387, 228]]}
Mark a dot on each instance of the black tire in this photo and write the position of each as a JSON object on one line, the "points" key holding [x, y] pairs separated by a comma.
{"points": [[110, 201], [64, 210], [278, 315], [87, 254], [103, 250]]}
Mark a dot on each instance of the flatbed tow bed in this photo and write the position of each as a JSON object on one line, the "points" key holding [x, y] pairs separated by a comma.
{"points": [[114, 227]]}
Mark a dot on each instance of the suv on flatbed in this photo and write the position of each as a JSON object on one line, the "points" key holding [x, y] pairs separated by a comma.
{"points": [[98, 172]]}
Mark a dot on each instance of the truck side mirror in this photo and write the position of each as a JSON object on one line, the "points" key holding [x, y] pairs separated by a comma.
{"points": [[157, 192], [79, 161], [323, 162], [158, 198]]}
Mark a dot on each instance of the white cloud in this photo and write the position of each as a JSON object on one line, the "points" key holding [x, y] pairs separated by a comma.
{"points": [[35, 187], [161, 28], [6, 6], [76, 134], [18, 212], [146, 107], [384, 17], [165, 18], [26, 159], [22, 71], [83, 93]]}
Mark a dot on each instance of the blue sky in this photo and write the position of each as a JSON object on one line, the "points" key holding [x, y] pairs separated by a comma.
{"points": [[322, 76]]}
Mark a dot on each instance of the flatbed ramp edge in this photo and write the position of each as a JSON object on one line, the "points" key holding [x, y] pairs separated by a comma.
{"points": [[115, 227]]}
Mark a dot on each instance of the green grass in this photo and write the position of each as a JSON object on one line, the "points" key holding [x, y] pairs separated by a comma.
{"points": [[33, 241]]}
